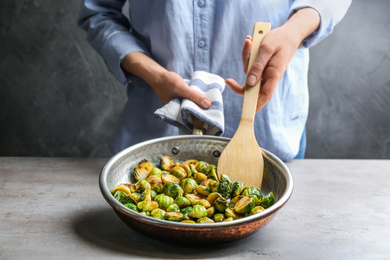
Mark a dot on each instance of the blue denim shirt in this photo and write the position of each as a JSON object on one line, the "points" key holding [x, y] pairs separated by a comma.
{"points": [[185, 36]]}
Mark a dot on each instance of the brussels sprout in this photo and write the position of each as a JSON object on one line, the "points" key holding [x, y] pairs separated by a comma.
{"points": [[268, 200], [158, 213], [229, 213], [155, 182], [205, 220], [188, 221], [213, 196], [146, 195], [135, 197], [131, 206], [220, 205], [147, 205], [225, 187], [153, 194], [199, 177], [142, 170], [188, 185], [203, 190], [214, 186], [212, 173], [190, 166], [178, 172], [123, 188], [142, 185], [205, 203], [237, 188], [131, 186], [210, 211], [254, 192], [166, 178], [174, 216], [219, 217], [182, 202], [156, 172], [234, 201], [186, 210], [194, 198], [244, 205], [198, 211], [173, 208], [202, 167], [164, 201], [167, 163], [122, 197], [256, 210], [173, 190], [228, 219]]}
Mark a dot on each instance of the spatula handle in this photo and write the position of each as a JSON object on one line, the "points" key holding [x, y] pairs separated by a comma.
{"points": [[251, 92]]}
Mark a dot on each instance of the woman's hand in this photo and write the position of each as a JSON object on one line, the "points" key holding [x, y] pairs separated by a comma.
{"points": [[166, 84], [276, 51]]}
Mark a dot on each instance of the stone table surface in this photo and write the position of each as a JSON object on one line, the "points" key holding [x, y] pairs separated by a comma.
{"points": [[52, 208]]}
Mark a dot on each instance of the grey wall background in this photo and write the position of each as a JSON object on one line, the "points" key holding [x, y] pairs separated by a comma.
{"points": [[58, 99]]}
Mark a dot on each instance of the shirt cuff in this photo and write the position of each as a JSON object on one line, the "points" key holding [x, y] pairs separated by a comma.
{"points": [[114, 50], [330, 14]]}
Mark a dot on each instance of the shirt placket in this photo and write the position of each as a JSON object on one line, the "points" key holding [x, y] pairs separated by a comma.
{"points": [[201, 40]]}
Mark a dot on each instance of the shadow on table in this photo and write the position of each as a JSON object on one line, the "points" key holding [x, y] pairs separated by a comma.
{"points": [[104, 228]]}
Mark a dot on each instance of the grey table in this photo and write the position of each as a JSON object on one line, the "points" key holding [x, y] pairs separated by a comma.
{"points": [[51, 208]]}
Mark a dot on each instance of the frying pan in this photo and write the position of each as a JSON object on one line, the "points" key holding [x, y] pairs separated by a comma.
{"points": [[119, 169]]}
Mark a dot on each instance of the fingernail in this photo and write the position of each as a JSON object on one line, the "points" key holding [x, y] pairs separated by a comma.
{"points": [[251, 80], [205, 103]]}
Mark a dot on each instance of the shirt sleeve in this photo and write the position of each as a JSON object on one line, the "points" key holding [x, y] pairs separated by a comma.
{"points": [[109, 34], [331, 12]]}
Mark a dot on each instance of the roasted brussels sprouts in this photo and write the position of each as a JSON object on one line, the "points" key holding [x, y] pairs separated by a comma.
{"points": [[131, 206], [220, 205], [203, 190], [225, 187], [188, 221], [267, 201], [189, 193], [237, 188], [164, 201], [202, 167], [188, 185], [174, 216], [166, 178], [173, 190], [212, 172], [219, 217], [142, 170], [122, 197], [173, 208], [167, 163], [194, 198], [147, 205], [256, 210], [244, 205], [122, 187], [158, 213], [182, 202], [179, 172], [198, 211], [254, 192], [155, 182], [205, 220], [199, 177]]}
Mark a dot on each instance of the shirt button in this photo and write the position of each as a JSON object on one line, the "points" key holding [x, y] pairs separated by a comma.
{"points": [[201, 3], [201, 43]]}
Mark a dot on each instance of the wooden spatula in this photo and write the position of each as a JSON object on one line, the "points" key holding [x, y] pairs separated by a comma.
{"points": [[242, 159]]}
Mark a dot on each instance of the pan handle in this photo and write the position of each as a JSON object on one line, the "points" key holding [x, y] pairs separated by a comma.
{"points": [[198, 126]]}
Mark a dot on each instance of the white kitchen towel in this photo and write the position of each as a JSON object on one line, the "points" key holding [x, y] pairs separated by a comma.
{"points": [[179, 112]]}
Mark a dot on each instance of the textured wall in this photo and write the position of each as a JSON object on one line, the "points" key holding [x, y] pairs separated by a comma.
{"points": [[58, 99]]}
